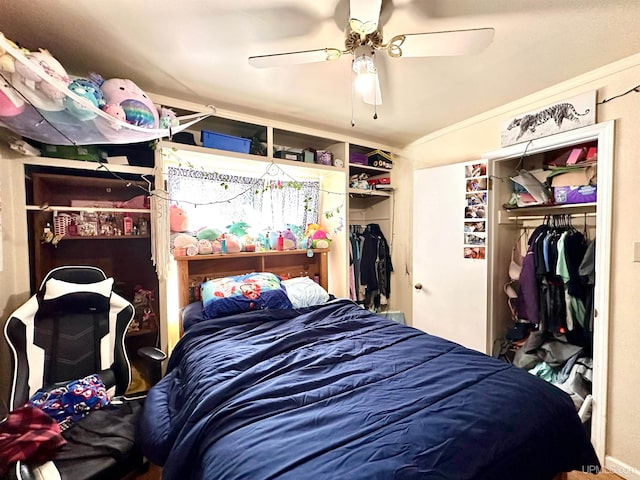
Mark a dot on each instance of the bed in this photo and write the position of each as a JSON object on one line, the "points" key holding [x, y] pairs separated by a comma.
{"points": [[333, 391]]}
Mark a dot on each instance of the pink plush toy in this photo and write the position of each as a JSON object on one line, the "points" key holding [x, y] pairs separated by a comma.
{"points": [[167, 118], [178, 220], [138, 108], [11, 103], [40, 93], [117, 112]]}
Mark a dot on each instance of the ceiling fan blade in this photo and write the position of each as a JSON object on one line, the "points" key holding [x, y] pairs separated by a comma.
{"points": [[364, 15], [294, 58], [440, 44]]}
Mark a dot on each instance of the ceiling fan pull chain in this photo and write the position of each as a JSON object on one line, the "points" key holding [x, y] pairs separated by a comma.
{"points": [[353, 120]]}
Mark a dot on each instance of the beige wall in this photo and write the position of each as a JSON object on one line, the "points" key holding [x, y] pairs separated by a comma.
{"points": [[470, 139], [14, 276]]}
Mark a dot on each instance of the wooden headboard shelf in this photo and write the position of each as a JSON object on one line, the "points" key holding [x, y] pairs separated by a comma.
{"points": [[291, 263]]}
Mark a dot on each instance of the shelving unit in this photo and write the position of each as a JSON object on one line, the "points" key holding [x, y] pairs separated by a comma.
{"points": [[50, 187], [50, 190], [370, 205]]}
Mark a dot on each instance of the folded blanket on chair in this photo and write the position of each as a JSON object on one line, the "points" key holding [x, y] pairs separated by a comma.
{"points": [[68, 403]]}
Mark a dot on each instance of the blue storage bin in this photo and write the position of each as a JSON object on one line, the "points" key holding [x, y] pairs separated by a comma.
{"points": [[225, 142]]}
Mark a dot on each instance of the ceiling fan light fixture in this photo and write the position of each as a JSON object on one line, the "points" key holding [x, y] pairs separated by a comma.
{"points": [[366, 81], [363, 60]]}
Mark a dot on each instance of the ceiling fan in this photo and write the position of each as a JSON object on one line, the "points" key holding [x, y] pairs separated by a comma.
{"points": [[364, 38]]}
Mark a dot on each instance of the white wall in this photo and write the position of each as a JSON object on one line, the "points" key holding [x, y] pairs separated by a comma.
{"points": [[470, 139]]}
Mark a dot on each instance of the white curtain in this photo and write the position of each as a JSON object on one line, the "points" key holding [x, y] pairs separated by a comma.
{"points": [[215, 200]]}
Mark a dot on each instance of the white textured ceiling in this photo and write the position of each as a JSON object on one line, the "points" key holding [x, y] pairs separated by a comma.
{"points": [[197, 51]]}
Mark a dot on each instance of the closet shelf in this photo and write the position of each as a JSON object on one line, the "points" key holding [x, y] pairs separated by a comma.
{"points": [[369, 193], [554, 209], [540, 211], [58, 208]]}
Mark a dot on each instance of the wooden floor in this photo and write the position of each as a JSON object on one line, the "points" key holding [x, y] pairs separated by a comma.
{"points": [[154, 473], [586, 476]]}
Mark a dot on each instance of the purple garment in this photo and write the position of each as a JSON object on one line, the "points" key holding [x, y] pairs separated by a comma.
{"points": [[528, 295]]}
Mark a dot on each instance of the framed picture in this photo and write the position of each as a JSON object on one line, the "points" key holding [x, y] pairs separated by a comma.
{"points": [[574, 112]]}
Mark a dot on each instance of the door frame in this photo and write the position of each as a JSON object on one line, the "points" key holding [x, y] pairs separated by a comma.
{"points": [[604, 133]]}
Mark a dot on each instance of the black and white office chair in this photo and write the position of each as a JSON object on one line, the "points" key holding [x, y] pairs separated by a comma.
{"points": [[75, 326]]}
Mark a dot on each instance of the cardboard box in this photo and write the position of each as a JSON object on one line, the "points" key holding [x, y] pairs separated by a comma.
{"points": [[576, 177], [575, 186], [575, 194]]}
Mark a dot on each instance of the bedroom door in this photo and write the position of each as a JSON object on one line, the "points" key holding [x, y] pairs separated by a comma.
{"points": [[450, 291]]}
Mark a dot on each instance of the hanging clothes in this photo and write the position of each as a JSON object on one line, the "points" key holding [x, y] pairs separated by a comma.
{"points": [[375, 267], [552, 292], [356, 241]]}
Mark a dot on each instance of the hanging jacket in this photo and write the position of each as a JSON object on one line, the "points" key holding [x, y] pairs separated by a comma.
{"points": [[375, 264]]}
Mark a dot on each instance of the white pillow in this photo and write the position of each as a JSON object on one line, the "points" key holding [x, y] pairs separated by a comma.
{"points": [[304, 292], [55, 288]]}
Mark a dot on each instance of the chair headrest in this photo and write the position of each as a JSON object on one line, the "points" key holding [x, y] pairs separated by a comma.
{"points": [[57, 295]]}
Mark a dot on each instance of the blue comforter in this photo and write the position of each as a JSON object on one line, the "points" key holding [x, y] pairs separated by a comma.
{"points": [[336, 392]]}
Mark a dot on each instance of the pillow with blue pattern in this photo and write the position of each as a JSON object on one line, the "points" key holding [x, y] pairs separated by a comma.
{"points": [[242, 293]]}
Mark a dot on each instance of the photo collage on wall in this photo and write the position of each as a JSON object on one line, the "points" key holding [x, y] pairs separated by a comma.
{"points": [[475, 210]]}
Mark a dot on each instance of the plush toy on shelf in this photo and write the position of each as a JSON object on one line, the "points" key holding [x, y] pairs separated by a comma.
{"points": [[210, 234], [143, 308], [178, 220], [290, 242], [318, 236]]}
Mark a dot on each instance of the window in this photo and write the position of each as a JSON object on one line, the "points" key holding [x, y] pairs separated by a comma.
{"points": [[216, 200]]}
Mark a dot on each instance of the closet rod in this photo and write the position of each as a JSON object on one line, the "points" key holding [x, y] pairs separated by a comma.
{"points": [[542, 217], [368, 220]]}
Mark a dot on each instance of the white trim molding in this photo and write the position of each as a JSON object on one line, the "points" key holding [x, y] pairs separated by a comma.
{"points": [[621, 469]]}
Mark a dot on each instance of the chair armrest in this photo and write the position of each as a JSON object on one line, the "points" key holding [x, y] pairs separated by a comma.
{"points": [[152, 353]]}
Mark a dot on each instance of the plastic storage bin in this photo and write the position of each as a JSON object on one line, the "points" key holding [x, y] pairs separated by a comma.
{"points": [[225, 142]]}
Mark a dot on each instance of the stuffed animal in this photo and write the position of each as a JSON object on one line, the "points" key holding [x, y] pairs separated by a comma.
{"points": [[289, 239], [234, 244], [319, 237], [40, 93], [116, 111], [167, 118], [11, 103], [210, 234], [138, 108], [143, 307], [205, 247], [7, 61], [178, 220], [238, 229], [90, 91], [184, 240]]}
